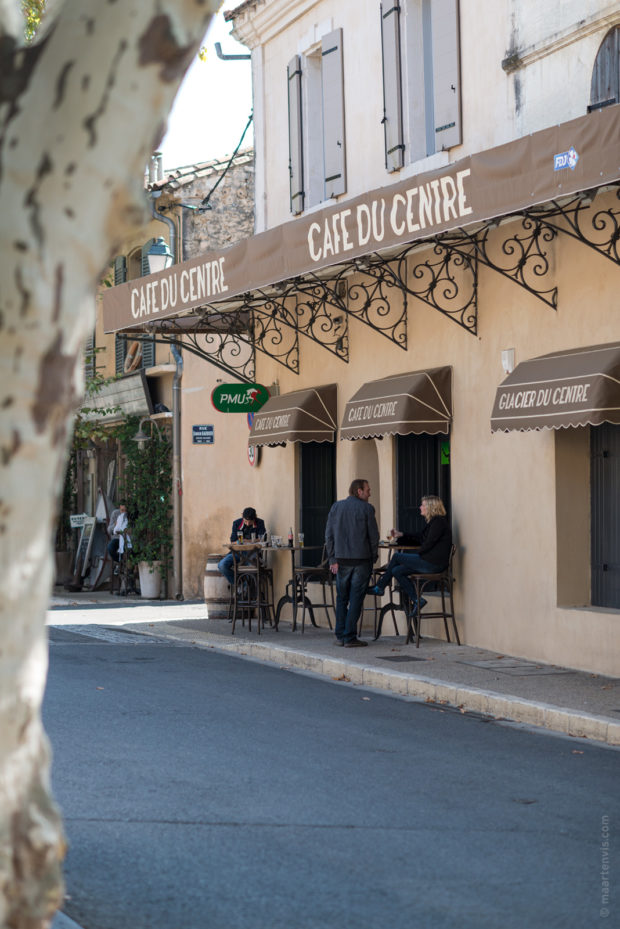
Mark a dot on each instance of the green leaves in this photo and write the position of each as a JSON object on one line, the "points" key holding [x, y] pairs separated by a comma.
{"points": [[147, 489]]}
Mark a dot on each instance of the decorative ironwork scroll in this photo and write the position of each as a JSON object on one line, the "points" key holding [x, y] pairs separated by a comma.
{"points": [[223, 339], [322, 314], [447, 280], [522, 255], [599, 229], [371, 294], [275, 331]]}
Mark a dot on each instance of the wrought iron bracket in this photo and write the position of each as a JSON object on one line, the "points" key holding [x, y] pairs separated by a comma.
{"points": [[522, 255], [446, 280], [222, 339], [599, 229]]}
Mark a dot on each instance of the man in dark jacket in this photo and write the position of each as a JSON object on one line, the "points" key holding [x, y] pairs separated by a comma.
{"points": [[249, 524], [351, 540]]}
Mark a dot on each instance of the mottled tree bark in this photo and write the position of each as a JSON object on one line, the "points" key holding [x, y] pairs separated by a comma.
{"points": [[80, 112]]}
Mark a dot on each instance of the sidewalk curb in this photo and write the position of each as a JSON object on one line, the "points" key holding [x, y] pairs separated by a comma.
{"points": [[425, 689]]}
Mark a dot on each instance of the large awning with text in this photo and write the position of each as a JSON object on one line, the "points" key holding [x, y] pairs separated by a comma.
{"points": [[553, 163], [418, 402], [308, 415], [578, 387]]}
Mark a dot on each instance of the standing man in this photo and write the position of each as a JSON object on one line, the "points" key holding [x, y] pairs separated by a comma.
{"points": [[351, 540]]}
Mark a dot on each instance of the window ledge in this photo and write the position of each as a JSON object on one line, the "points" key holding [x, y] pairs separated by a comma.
{"points": [[438, 160], [160, 370]]}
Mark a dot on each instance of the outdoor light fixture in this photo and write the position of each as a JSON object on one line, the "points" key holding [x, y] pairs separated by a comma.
{"points": [[159, 255], [141, 437]]}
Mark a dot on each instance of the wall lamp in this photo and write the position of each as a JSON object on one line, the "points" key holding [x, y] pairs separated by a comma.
{"points": [[141, 436], [159, 255]]}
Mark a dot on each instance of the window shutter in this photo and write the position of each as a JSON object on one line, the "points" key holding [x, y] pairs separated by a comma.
{"points": [[120, 344], [90, 367], [392, 86], [295, 136], [333, 114], [446, 73], [148, 346], [605, 88]]}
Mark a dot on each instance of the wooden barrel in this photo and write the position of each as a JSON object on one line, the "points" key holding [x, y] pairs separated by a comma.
{"points": [[217, 591]]}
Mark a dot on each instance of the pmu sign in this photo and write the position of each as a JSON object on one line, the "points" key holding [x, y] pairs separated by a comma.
{"points": [[239, 398]]}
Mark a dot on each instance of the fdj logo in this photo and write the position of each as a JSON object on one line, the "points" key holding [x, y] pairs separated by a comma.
{"points": [[567, 159]]}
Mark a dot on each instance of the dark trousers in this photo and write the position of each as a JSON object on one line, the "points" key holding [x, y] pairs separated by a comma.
{"points": [[351, 586], [400, 566]]}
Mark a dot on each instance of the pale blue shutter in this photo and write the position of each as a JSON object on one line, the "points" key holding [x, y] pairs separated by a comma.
{"points": [[333, 114], [446, 73], [120, 344], [392, 86], [295, 136]]}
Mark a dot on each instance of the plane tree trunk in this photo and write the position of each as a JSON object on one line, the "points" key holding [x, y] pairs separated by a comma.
{"points": [[81, 110]]}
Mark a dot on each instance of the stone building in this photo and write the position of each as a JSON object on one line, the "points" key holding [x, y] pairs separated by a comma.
{"points": [[210, 204], [435, 264]]}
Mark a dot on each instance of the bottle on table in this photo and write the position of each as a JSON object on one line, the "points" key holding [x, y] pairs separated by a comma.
{"points": [[290, 537]]}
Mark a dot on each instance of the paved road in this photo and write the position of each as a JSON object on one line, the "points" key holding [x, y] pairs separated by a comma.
{"points": [[203, 791]]}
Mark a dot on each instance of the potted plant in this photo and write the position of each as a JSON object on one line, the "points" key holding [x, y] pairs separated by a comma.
{"points": [[147, 486]]}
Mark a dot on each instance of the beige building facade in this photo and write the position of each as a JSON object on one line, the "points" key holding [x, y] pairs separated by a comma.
{"points": [[436, 199]]}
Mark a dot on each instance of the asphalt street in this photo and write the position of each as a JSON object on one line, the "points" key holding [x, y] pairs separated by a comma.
{"points": [[203, 791]]}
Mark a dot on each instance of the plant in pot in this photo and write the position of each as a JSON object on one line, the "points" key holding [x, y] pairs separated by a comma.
{"points": [[147, 487]]}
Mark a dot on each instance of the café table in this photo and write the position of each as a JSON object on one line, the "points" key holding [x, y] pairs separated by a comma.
{"points": [[287, 597]]}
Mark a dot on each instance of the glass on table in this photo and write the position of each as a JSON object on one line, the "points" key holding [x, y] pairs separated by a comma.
{"points": [[239, 536], [300, 539]]}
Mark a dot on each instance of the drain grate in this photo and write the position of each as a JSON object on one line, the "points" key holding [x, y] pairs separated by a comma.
{"points": [[400, 658]]}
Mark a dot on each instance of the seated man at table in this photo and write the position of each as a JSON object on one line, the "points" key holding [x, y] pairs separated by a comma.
{"points": [[435, 543], [248, 524]]}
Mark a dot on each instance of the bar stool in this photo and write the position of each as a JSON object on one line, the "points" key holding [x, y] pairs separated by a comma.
{"points": [[445, 581], [252, 591], [317, 574]]}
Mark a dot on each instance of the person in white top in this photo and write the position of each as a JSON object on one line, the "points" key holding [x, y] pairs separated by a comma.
{"points": [[120, 537]]}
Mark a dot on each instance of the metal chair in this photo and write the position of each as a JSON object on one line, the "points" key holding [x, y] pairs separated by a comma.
{"points": [[445, 581], [313, 574], [252, 592]]}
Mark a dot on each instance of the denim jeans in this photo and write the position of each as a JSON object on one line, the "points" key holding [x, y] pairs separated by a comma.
{"points": [[400, 565], [351, 586], [225, 567]]}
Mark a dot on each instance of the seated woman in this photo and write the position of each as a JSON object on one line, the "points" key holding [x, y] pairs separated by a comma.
{"points": [[435, 543]]}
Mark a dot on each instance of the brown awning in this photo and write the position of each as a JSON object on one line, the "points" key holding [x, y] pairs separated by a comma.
{"points": [[578, 155], [579, 387], [308, 415], [420, 401]]}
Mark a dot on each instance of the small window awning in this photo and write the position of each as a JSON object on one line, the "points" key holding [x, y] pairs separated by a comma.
{"points": [[419, 402], [308, 415], [579, 387]]}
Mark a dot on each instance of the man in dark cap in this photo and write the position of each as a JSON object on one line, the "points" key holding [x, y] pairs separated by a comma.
{"points": [[249, 524]]}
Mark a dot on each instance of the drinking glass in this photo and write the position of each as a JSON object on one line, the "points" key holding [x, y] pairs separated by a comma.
{"points": [[300, 537]]}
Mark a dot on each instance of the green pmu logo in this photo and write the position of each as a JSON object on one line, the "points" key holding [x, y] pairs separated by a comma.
{"points": [[239, 398]]}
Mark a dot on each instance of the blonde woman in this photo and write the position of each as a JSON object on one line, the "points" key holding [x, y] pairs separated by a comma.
{"points": [[435, 542]]}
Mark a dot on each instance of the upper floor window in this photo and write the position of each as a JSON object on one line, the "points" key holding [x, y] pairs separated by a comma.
{"points": [[126, 268], [317, 155], [421, 79], [605, 88]]}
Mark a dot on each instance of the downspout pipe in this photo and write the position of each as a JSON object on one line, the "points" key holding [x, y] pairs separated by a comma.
{"points": [[177, 489]]}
